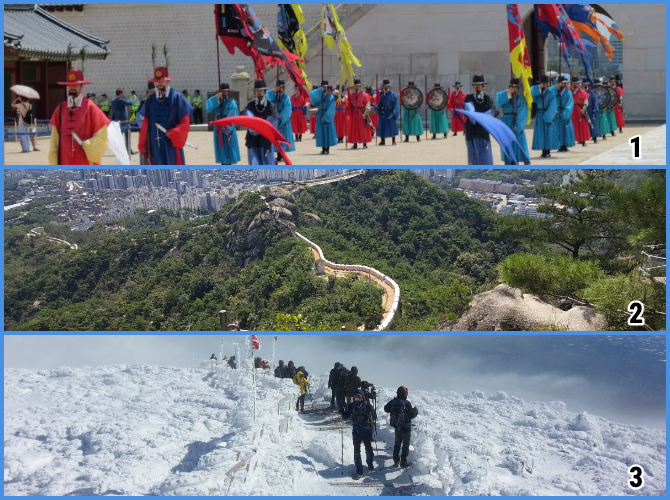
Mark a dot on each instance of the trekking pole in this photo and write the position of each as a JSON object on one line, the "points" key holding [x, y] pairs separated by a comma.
{"points": [[342, 427]]}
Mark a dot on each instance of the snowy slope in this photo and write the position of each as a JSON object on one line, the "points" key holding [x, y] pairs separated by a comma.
{"points": [[137, 430]]}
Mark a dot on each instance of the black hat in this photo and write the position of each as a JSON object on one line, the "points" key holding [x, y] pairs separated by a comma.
{"points": [[260, 85], [324, 83], [478, 79], [368, 88], [224, 86], [544, 79], [386, 82], [458, 84], [438, 86], [514, 82], [357, 81], [280, 83], [562, 79], [133, 92], [575, 79], [411, 84], [151, 86]]}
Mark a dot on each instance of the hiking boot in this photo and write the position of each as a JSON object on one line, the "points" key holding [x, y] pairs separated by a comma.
{"points": [[404, 465], [396, 464], [371, 466]]}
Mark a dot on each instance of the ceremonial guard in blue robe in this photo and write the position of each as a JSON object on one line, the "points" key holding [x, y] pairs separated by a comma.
{"points": [[284, 107], [594, 111], [388, 109], [260, 150], [324, 100], [515, 115], [477, 138], [566, 104], [226, 146], [412, 124], [545, 135]]}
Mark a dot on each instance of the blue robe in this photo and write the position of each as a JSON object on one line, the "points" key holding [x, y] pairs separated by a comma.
{"points": [[411, 122], [611, 120], [169, 113], [326, 135], [545, 135], [229, 152], [388, 110], [438, 122], [515, 117], [594, 113], [285, 111], [566, 130]]}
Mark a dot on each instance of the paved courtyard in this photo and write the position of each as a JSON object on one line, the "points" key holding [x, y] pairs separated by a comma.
{"points": [[451, 151]]}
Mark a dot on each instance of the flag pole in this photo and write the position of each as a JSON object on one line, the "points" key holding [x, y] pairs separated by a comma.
{"points": [[400, 103], [218, 62], [426, 105]]}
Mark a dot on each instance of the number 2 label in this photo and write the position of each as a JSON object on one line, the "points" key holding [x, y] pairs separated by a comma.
{"points": [[636, 308]]}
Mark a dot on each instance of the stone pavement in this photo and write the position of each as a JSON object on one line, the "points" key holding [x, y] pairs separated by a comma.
{"points": [[451, 151], [652, 151]]}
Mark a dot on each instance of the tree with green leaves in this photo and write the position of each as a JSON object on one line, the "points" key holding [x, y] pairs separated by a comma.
{"points": [[581, 215]]}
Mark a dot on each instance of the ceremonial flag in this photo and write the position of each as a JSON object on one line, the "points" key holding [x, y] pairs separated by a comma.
{"points": [[263, 127], [587, 22], [518, 52], [255, 344], [336, 39], [239, 27], [552, 18], [292, 38]]}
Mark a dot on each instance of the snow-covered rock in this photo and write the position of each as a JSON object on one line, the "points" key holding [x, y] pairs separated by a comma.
{"points": [[149, 430]]}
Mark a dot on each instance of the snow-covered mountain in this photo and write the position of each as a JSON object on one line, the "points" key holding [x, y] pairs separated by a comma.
{"points": [[138, 430]]}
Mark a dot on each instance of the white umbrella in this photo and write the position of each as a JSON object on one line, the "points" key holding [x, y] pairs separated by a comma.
{"points": [[24, 91]]}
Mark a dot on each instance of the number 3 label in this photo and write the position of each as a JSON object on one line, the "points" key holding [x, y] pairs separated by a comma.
{"points": [[637, 480]]}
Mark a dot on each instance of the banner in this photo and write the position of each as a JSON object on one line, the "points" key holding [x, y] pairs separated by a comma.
{"points": [[239, 27], [518, 52], [587, 22], [336, 39], [292, 38], [255, 344]]}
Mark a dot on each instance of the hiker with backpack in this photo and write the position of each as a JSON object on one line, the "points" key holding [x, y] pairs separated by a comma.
{"points": [[301, 382], [279, 371], [364, 419], [332, 382], [342, 387], [402, 414], [290, 371], [352, 384], [370, 392]]}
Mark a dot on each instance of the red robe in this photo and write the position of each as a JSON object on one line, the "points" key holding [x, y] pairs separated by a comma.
{"points": [[341, 117], [618, 109], [579, 120], [312, 125], [358, 130], [86, 121], [456, 101], [298, 120]]}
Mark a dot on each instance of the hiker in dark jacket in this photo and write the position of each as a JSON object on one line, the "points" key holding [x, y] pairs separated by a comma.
{"points": [[364, 418], [370, 392], [352, 384], [213, 357], [332, 380], [279, 371], [290, 370], [402, 413], [341, 388]]}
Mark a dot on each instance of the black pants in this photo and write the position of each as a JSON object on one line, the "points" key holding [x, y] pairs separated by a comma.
{"points": [[332, 399], [369, 455], [401, 440], [300, 403], [340, 399], [197, 116]]}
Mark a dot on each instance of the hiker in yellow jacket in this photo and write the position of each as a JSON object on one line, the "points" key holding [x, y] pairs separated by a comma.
{"points": [[301, 382]]}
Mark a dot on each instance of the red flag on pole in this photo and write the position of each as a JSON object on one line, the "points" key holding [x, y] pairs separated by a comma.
{"points": [[255, 344]]}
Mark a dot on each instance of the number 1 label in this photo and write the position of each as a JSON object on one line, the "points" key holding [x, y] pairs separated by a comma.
{"points": [[636, 142]]}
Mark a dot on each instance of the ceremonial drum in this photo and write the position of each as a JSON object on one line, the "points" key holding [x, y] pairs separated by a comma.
{"points": [[412, 98], [437, 99]]}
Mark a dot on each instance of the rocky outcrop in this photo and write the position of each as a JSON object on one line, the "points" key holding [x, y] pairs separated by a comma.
{"points": [[285, 208], [309, 219], [509, 309], [278, 192]]}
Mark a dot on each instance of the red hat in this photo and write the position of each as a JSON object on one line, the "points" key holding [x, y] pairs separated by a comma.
{"points": [[161, 73], [74, 77]]}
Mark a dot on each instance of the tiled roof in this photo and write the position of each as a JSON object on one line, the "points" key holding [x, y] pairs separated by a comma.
{"points": [[33, 32]]}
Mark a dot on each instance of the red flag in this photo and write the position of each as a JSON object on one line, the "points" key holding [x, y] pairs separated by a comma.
{"points": [[255, 344], [261, 126], [275, 337]]}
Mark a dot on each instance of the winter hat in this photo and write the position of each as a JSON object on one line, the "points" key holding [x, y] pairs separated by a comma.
{"points": [[281, 363], [354, 370], [402, 392], [337, 365]]}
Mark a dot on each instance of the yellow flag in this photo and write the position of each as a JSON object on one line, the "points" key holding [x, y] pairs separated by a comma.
{"points": [[336, 39]]}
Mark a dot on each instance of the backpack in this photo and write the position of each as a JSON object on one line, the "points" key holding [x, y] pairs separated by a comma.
{"points": [[29, 117], [362, 418], [398, 412]]}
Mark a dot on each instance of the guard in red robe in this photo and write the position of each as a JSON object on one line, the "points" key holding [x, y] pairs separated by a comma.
{"points": [[75, 120], [359, 129], [298, 114], [580, 117], [618, 109], [456, 101], [312, 124], [341, 117], [166, 123]]}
